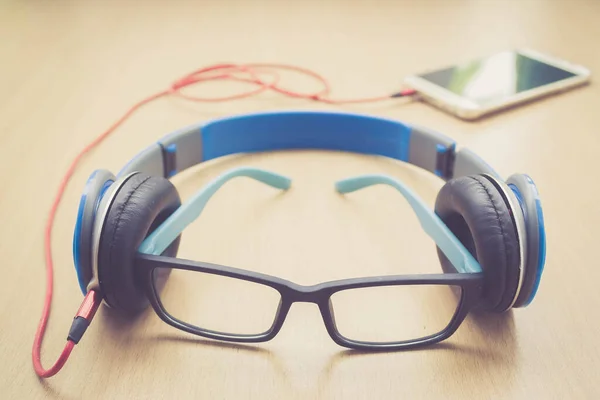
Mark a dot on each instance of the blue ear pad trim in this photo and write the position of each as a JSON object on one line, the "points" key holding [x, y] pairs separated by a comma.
{"points": [[305, 130], [77, 234], [96, 186], [542, 240], [528, 197], [542, 262]]}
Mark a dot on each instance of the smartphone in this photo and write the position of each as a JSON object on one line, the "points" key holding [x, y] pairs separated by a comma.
{"points": [[473, 89]]}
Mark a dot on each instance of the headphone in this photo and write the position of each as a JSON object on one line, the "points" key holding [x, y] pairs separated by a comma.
{"points": [[499, 222]]}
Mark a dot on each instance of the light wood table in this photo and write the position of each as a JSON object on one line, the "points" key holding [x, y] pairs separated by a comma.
{"points": [[69, 69]]}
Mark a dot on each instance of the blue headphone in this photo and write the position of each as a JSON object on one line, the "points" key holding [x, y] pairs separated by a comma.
{"points": [[499, 222]]}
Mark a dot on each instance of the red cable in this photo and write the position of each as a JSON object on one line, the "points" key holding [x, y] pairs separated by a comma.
{"points": [[53, 370], [312, 96], [198, 76], [246, 73], [41, 330]]}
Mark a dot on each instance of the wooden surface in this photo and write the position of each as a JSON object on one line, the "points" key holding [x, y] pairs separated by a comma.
{"points": [[68, 69]]}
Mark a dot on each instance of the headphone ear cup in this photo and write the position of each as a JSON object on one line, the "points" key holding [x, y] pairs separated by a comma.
{"points": [[476, 212], [141, 204]]}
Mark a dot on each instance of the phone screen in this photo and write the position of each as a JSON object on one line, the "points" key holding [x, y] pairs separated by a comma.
{"points": [[496, 77]]}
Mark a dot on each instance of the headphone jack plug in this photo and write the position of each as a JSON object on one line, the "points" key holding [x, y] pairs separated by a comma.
{"points": [[84, 316]]}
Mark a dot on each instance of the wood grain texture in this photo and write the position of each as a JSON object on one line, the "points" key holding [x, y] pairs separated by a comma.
{"points": [[68, 69]]}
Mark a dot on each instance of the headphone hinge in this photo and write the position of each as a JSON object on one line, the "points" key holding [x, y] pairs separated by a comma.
{"points": [[444, 161], [169, 154]]}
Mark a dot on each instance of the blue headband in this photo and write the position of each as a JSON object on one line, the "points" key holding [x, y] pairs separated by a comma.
{"points": [[288, 130]]}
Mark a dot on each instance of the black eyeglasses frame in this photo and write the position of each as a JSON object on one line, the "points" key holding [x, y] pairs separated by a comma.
{"points": [[471, 285]]}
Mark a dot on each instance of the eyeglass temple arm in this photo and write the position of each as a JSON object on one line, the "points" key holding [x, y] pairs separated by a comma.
{"points": [[452, 248], [187, 213]]}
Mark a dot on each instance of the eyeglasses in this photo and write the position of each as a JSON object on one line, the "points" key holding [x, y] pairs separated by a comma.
{"points": [[384, 312], [231, 304]]}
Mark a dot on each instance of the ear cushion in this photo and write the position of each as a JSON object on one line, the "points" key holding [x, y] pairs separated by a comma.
{"points": [[139, 206], [477, 213]]}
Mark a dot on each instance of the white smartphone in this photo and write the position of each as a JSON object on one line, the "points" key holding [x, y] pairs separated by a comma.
{"points": [[489, 84]]}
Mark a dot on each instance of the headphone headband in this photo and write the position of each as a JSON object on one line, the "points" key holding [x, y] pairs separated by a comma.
{"points": [[289, 130]]}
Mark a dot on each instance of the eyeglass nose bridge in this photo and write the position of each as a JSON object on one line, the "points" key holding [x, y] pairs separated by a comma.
{"points": [[315, 294]]}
